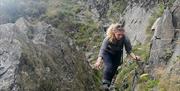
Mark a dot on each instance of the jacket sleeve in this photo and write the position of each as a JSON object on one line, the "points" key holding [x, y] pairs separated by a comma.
{"points": [[103, 47], [128, 46]]}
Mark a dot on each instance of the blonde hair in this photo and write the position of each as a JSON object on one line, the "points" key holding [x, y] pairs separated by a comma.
{"points": [[112, 29]]}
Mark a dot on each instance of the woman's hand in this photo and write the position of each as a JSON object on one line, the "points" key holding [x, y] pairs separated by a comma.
{"points": [[98, 63], [137, 58]]}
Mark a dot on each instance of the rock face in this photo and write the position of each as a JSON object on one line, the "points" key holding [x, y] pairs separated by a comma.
{"points": [[176, 21], [137, 17], [136, 21], [162, 42], [165, 54], [172, 72], [34, 56], [10, 55]]}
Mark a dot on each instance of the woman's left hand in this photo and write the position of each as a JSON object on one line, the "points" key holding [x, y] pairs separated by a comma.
{"points": [[137, 58]]}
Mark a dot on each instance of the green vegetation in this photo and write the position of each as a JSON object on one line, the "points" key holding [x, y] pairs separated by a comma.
{"points": [[144, 77], [170, 3], [97, 77], [125, 76], [47, 85], [142, 50], [148, 85], [128, 72], [88, 36], [169, 83], [63, 14]]}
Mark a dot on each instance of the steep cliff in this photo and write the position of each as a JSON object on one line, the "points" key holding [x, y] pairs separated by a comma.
{"points": [[164, 55], [37, 57]]}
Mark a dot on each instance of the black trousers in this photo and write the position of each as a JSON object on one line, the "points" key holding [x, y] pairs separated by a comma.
{"points": [[111, 63]]}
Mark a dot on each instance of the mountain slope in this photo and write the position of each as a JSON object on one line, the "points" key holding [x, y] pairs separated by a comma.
{"points": [[37, 57]]}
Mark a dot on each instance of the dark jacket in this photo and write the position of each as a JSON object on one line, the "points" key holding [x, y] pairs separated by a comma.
{"points": [[115, 48]]}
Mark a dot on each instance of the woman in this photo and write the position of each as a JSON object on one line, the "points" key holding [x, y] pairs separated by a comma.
{"points": [[111, 52]]}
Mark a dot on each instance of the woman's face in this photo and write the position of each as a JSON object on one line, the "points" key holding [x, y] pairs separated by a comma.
{"points": [[119, 34]]}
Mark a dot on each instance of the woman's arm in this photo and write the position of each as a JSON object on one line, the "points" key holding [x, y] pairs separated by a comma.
{"points": [[101, 52], [134, 56], [98, 63], [128, 48], [103, 47]]}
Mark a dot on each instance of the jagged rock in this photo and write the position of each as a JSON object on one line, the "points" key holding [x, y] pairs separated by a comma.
{"points": [[155, 27], [37, 57], [172, 70], [10, 55], [156, 24], [161, 49], [164, 55], [136, 22], [99, 8], [176, 18]]}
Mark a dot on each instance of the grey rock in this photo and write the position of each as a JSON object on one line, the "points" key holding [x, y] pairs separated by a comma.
{"points": [[10, 56], [161, 48], [136, 22], [165, 49], [37, 57], [156, 24], [176, 18]]}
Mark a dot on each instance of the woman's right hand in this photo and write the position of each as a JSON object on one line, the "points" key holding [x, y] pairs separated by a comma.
{"points": [[98, 63]]}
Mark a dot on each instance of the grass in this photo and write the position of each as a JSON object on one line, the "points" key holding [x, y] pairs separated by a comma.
{"points": [[170, 3], [125, 75], [97, 77], [146, 83], [149, 85], [128, 68], [142, 50], [47, 85], [84, 30], [169, 83], [87, 36], [144, 77]]}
